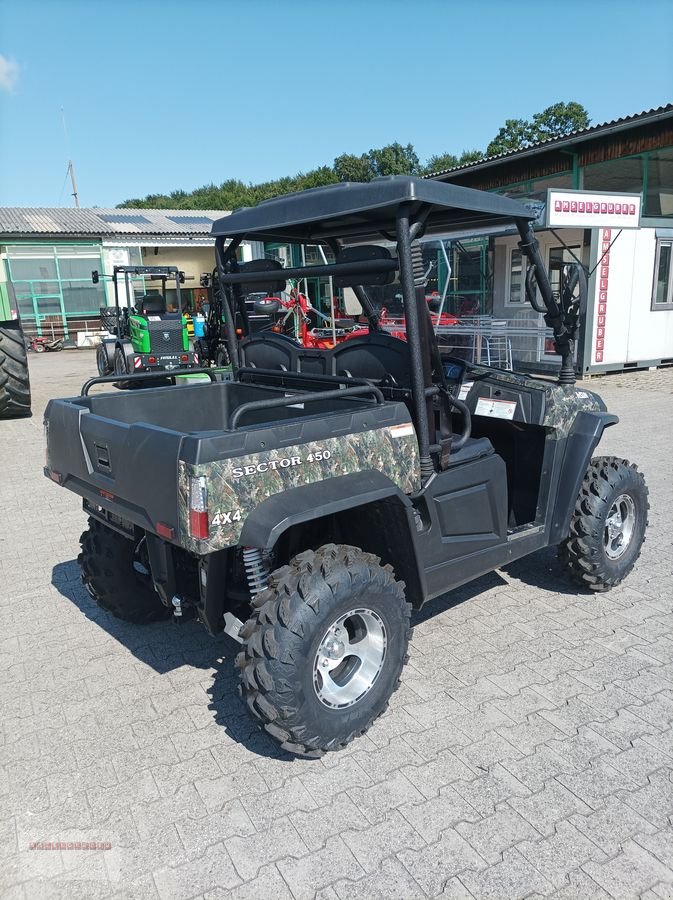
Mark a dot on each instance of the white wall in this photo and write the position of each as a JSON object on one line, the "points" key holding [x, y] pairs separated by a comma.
{"points": [[633, 332]]}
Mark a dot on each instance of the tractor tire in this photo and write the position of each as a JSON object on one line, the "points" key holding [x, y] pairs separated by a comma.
{"points": [[607, 528], [120, 367], [116, 575], [14, 380], [324, 648], [103, 362]]}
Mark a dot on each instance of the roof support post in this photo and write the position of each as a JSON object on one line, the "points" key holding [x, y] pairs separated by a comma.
{"points": [[564, 339], [222, 260], [419, 346]]}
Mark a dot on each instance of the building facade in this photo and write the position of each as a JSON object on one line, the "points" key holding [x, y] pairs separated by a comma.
{"points": [[47, 256], [628, 322]]}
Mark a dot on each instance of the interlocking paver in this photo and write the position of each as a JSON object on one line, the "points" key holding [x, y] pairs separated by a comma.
{"points": [[512, 878], [630, 873], [320, 869], [432, 866], [530, 714], [561, 853], [438, 813]]}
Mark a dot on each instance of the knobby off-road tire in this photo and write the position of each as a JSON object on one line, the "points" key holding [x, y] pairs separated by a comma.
{"points": [[608, 525], [14, 380], [117, 577], [299, 676]]}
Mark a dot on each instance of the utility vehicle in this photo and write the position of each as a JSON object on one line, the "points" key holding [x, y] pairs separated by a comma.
{"points": [[146, 339], [309, 504]]}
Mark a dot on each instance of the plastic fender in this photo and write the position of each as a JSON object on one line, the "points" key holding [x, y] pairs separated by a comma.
{"points": [[580, 444]]}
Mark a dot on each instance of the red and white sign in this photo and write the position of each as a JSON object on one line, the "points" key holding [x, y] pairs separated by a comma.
{"points": [[592, 209], [606, 237]]}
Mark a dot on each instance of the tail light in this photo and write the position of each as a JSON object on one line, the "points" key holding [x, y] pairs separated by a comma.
{"points": [[198, 508], [152, 360], [184, 357]]}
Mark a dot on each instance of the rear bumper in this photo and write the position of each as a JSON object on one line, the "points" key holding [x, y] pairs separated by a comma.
{"points": [[149, 362]]}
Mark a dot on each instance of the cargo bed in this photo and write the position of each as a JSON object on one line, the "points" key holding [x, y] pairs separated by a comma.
{"points": [[125, 451]]}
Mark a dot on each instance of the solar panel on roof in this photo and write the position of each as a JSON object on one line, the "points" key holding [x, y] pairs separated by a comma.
{"points": [[190, 220], [121, 219]]}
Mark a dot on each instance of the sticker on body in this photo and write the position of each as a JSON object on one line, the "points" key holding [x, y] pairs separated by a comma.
{"points": [[496, 409]]}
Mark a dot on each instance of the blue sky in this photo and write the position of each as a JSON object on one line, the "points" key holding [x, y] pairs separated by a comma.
{"points": [[162, 94]]}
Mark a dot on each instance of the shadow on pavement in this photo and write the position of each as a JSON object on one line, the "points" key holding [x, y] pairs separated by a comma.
{"points": [[166, 646]]}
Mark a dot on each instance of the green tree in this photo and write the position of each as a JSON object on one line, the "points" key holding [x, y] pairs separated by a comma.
{"points": [[394, 159], [559, 119], [469, 156], [349, 167], [513, 135], [440, 162], [554, 121]]}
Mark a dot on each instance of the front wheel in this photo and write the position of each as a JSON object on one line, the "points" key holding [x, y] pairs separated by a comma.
{"points": [[103, 360], [324, 648], [608, 525]]}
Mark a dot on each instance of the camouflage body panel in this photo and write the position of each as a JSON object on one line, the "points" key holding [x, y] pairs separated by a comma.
{"points": [[563, 404], [238, 485], [562, 401]]}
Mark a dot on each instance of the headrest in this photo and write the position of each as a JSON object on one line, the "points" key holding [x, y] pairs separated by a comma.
{"points": [[273, 285], [358, 254]]}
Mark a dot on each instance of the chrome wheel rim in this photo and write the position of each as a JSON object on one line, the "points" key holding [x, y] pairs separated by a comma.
{"points": [[349, 658], [619, 526]]}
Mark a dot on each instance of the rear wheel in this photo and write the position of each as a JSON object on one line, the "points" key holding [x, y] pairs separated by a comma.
{"points": [[116, 573], [607, 529], [14, 380], [324, 648]]}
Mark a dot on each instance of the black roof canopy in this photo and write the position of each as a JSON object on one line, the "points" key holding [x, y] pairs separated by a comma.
{"points": [[356, 212]]}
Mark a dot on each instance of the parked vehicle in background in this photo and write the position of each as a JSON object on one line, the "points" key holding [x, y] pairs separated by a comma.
{"points": [[14, 378]]}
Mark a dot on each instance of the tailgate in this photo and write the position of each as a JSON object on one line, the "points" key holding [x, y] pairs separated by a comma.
{"points": [[130, 470]]}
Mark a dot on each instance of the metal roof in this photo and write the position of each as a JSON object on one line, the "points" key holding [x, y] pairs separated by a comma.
{"points": [[646, 117], [358, 211], [19, 221]]}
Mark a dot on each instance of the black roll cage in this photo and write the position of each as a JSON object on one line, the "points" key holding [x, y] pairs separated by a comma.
{"points": [[410, 222]]}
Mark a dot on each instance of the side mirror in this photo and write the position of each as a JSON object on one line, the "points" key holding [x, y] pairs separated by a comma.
{"points": [[95, 277]]}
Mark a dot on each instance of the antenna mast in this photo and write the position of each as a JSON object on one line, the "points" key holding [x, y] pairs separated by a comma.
{"points": [[71, 169]]}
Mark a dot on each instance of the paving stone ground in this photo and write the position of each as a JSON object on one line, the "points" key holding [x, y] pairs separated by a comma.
{"points": [[528, 753]]}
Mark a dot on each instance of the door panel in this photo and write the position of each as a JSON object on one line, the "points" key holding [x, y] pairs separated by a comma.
{"points": [[465, 513]]}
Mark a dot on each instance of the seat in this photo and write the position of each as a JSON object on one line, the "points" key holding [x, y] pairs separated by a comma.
{"points": [[377, 356], [473, 448], [268, 350], [152, 304]]}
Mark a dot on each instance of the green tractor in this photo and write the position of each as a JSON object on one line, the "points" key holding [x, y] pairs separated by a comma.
{"points": [[14, 381], [147, 338]]}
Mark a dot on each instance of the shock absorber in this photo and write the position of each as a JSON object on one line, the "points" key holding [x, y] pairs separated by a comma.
{"points": [[255, 571]]}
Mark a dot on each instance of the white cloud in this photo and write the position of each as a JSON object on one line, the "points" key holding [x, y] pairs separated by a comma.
{"points": [[9, 74]]}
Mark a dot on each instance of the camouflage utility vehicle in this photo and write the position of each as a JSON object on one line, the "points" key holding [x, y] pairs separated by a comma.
{"points": [[307, 506]]}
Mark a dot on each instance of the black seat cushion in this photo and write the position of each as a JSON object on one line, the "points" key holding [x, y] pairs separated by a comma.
{"points": [[474, 448]]}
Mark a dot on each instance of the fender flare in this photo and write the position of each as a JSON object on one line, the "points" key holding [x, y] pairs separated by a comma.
{"points": [[580, 444], [277, 513], [310, 502]]}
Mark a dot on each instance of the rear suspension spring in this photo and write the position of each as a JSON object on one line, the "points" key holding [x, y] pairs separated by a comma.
{"points": [[255, 571]]}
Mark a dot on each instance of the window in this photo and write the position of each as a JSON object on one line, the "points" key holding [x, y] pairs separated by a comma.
{"points": [[621, 175], [515, 293], [659, 198], [662, 293]]}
